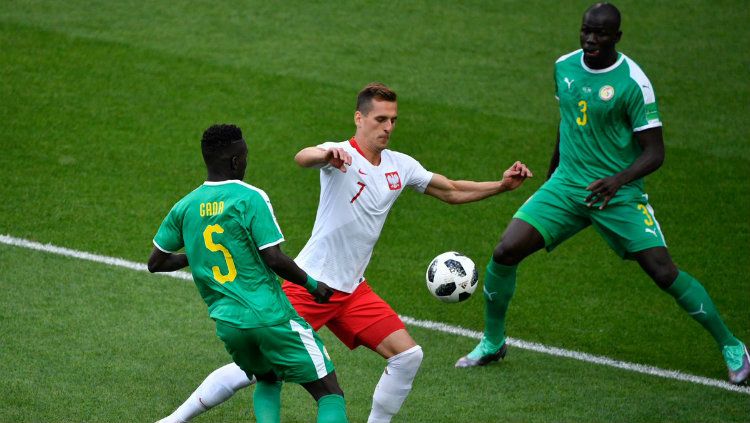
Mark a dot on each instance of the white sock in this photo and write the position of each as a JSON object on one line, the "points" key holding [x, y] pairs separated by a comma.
{"points": [[395, 384], [218, 387]]}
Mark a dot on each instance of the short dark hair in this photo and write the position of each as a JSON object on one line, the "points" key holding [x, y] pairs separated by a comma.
{"points": [[218, 142], [218, 137], [373, 90], [608, 9]]}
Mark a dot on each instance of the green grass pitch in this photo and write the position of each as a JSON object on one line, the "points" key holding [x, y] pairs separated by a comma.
{"points": [[103, 104]]}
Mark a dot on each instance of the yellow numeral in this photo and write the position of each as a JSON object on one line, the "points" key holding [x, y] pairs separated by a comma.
{"points": [[229, 277], [648, 220], [583, 107]]}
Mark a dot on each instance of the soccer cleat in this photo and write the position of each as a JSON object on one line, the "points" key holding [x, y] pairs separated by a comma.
{"points": [[738, 363], [480, 357]]}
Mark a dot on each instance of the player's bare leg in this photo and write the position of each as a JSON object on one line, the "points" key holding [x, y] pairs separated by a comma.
{"points": [[218, 387], [330, 398], [404, 358]]}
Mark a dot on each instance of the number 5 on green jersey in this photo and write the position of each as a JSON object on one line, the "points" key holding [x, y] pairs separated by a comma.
{"points": [[215, 247]]}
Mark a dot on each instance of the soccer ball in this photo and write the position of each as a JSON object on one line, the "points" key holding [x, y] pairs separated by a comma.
{"points": [[451, 277]]}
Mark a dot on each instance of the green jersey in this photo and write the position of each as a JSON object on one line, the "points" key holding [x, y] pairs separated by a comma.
{"points": [[222, 226], [600, 110]]}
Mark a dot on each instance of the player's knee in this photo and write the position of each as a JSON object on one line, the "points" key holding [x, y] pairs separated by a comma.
{"points": [[664, 276], [238, 384], [269, 377], [325, 389], [327, 385], [414, 358], [332, 386], [233, 377], [418, 356], [221, 384], [506, 253], [407, 362]]}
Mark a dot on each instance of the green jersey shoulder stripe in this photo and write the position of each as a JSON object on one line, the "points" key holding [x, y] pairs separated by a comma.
{"points": [[565, 56], [649, 98], [265, 198]]}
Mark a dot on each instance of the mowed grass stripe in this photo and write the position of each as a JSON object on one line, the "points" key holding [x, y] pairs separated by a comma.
{"points": [[436, 326]]}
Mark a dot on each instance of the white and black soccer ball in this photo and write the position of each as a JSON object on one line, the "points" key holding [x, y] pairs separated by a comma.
{"points": [[451, 277]]}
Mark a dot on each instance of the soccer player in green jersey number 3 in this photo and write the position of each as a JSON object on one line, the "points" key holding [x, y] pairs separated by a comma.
{"points": [[231, 240], [609, 138]]}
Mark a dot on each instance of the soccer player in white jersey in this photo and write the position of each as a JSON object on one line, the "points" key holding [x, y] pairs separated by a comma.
{"points": [[360, 180]]}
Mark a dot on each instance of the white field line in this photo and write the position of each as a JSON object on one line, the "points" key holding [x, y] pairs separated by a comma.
{"points": [[436, 326], [589, 358]]}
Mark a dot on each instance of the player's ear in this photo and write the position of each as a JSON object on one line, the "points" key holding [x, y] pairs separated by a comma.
{"points": [[358, 118], [618, 36]]}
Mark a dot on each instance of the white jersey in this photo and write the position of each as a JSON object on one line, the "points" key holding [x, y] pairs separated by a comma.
{"points": [[352, 211]]}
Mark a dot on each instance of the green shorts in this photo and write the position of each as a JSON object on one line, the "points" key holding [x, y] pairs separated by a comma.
{"points": [[292, 350], [558, 211]]}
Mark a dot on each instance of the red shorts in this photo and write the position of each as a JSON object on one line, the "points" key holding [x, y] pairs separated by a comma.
{"points": [[359, 318]]}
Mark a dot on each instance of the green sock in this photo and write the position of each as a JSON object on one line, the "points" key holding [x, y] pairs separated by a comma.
{"points": [[331, 409], [499, 285], [267, 402], [693, 298]]}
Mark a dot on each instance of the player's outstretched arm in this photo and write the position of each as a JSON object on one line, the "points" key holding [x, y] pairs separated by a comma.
{"points": [[318, 157], [651, 158], [285, 267], [161, 261], [459, 192]]}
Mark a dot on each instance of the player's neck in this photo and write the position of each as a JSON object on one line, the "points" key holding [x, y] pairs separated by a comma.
{"points": [[372, 157], [219, 176], [602, 62], [371, 154]]}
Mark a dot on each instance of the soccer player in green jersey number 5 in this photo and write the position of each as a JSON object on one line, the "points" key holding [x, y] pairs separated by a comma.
{"points": [[231, 240], [609, 138]]}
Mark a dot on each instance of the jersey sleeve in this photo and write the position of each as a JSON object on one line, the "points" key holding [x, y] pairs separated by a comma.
{"points": [[642, 109], [262, 224], [169, 236], [417, 176]]}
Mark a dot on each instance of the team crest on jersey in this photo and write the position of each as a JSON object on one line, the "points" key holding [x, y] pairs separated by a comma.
{"points": [[394, 181], [606, 92]]}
